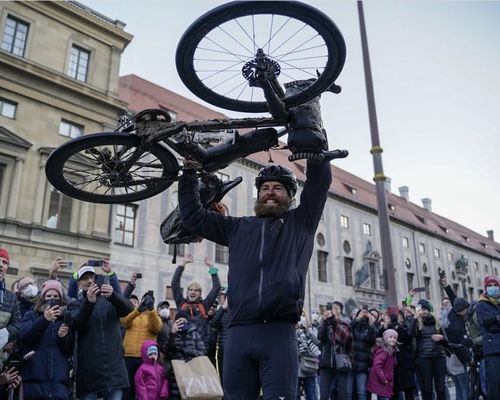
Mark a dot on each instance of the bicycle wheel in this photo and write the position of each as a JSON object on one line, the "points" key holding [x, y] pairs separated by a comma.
{"points": [[473, 382], [90, 168], [218, 50]]}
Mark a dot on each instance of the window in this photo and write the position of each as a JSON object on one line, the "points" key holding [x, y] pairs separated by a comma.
{"points": [[407, 263], [125, 217], [406, 242], [221, 254], [437, 252], [15, 34], [427, 286], [476, 266], [320, 240], [367, 229], [421, 219], [450, 256], [169, 293], [322, 257], [78, 63], [70, 129], [409, 280], [348, 271], [373, 276], [347, 247], [471, 293], [421, 247], [8, 108], [344, 221], [59, 211], [180, 248]]}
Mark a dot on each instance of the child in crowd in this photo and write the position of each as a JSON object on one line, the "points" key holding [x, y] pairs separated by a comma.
{"points": [[151, 378], [381, 379]]}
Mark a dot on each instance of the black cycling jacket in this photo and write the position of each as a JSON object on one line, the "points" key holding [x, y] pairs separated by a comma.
{"points": [[268, 257]]}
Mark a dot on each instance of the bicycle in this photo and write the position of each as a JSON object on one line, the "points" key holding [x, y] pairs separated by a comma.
{"points": [[473, 375], [299, 43]]}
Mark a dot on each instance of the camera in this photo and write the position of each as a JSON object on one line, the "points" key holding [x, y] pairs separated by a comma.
{"points": [[53, 302], [12, 363], [365, 307], [67, 318], [186, 327], [442, 273], [329, 306], [138, 275]]}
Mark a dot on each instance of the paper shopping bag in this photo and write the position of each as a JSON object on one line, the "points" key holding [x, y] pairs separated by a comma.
{"points": [[197, 379]]}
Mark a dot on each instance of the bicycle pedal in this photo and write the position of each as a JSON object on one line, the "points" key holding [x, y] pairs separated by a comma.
{"points": [[315, 158]]}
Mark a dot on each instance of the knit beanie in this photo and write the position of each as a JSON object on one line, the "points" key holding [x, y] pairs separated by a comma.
{"points": [[460, 304], [52, 284], [425, 304], [5, 254], [388, 333], [182, 314], [489, 279]]}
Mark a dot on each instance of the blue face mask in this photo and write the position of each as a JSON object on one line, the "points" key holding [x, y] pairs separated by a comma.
{"points": [[493, 291]]}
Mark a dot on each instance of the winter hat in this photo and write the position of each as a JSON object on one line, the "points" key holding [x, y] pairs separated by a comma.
{"points": [[182, 314], [460, 304], [489, 279], [425, 304], [5, 254], [390, 332], [52, 284], [153, 349], [25, 282], [163, 304]]}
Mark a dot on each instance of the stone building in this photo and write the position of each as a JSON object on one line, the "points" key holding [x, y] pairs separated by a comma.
{"points": [[59, 65]]}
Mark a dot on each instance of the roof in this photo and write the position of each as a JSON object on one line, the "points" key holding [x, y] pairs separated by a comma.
{"points": [[142, 94]]}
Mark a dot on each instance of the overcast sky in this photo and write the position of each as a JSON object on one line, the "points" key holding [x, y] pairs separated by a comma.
{"points": [[436, 71]]}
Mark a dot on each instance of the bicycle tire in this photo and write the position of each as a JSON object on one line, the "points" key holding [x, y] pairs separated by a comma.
{"points": [[62, 169], [210, 21], [474, 384]]}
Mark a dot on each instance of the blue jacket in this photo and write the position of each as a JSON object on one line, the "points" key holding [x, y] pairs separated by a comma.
{"points": [[46, 373], [488, 315], [268, 257]]}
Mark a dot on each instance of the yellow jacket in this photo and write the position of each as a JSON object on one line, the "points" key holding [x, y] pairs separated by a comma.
{"points": [[138, 328]]}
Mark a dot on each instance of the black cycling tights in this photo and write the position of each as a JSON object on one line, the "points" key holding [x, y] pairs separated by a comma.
{"points": [[261, 355]]}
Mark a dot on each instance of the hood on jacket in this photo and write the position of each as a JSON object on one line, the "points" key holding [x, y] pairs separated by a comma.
{"points": [[144, 350], [381, 345]]}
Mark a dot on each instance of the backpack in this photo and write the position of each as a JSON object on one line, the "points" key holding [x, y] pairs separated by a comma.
{"points": [[194, 309], [473, 327]]}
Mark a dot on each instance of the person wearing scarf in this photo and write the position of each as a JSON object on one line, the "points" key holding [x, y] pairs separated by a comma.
{"points": [[488, 315]]}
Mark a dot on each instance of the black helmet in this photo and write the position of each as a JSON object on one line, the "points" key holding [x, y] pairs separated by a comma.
{"points": [[279, 174]]}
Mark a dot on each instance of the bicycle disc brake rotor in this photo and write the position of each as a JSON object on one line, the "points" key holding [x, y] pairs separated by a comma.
{"points": [[259, 69]]}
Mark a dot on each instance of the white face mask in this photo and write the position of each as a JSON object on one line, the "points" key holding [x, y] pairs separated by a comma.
{"points": [[30, 292], [164, 313], [314, 316]]}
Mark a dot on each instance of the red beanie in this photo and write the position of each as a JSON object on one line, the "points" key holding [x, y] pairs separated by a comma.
{"points": [[4, 254], [490, 279]]}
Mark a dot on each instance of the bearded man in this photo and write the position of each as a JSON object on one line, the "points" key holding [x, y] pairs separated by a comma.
{"points": [[269, 255]]}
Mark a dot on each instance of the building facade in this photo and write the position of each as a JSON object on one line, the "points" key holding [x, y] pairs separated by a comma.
{"points": [[59, 67]]}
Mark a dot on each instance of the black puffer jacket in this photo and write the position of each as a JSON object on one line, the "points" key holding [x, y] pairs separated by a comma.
{"points": [[268, 257], [363, 339], [100, 364], [426, 347], [220, 324]]}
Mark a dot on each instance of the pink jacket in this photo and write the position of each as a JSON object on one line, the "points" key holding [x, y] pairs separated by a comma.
{"points": [[381, 378], [150, 379]]}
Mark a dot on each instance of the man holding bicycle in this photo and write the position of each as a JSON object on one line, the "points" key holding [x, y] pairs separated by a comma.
{"points": [[269, 255]]}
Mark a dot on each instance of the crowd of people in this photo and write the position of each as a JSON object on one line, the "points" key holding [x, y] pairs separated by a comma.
{"points": [[95, 341]]}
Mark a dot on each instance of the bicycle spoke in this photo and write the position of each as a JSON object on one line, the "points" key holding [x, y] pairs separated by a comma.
{"points": [[243, 58], [270, 33], [286, 41], [220, 71], [244, 84], [244, 87], [272, 37], [226, 81], [238, 42], [221, 52], [280, 56]]}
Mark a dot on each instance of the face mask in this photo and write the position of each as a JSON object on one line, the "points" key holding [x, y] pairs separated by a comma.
{"points": [[30, 292], [315, 316], [164, 313], [493, 291]]}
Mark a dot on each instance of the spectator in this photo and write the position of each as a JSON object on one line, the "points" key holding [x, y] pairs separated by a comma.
{"points": [[363, 338], [446, 306], [27, 294], [142, 324], [193, 303], [10, 323], [45, 372], [488, 314], [307, 348], [10, 379], [431, 357], [336, 337], [150, 378], [129, 289], [134, 300], [95, 316], [163, 309], [381, 379], [184, 343], [109, 278], [404, 374], [211, 343]]}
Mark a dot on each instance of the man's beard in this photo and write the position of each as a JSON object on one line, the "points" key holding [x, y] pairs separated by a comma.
{"points": [[277, 210]]}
